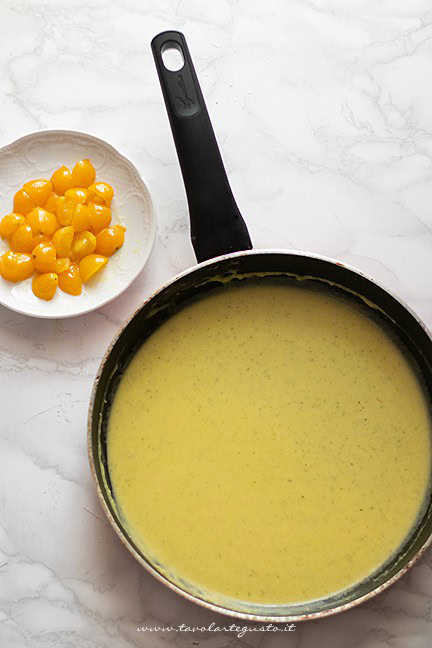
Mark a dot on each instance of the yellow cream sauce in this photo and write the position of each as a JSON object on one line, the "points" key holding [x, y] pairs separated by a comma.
{"points": [[270, 443]]}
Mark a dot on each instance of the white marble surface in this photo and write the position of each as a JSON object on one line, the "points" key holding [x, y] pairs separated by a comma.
{"points": [[323, 110]]}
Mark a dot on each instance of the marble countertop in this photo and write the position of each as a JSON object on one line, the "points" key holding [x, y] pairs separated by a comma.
{"points": [[323, 110]]}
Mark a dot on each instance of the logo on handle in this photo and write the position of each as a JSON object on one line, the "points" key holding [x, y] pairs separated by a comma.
{"points": [[185, 101]]}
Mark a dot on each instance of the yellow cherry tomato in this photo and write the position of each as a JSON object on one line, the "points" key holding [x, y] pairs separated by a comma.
{"points": [[10, 223], [62, 265], [48, 222], [97, 200], [90, 265], [45, 285], [99, 215], [21, 239], [51, 203], [38, 190], [33, 220], [77, 195], [81, 219], [61, 180], [44, 257], [16, 266], [23, 203], [70, 280], [84, 243], [62, 240], [103, 191], [109, 240], [65, 211], [83, 174], [39, 238], [42, 221]]}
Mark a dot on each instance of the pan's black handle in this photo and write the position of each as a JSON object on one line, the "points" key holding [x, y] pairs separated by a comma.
{"points": [[217, 226]]}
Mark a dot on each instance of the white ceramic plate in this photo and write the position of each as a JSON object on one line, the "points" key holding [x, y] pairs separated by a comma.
{"points": [[37, 156]]}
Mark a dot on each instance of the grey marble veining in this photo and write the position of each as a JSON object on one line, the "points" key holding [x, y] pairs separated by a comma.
{"points": [[323, 109]]}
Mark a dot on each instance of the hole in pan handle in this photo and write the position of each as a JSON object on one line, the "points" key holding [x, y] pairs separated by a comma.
{"points": [[217, 226], [172, 56]]}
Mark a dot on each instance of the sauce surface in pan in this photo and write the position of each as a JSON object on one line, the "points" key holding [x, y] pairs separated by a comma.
{"points": [[270, 443]]}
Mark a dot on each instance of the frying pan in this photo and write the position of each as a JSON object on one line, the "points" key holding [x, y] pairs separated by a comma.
{"points": [[223, 249]]}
